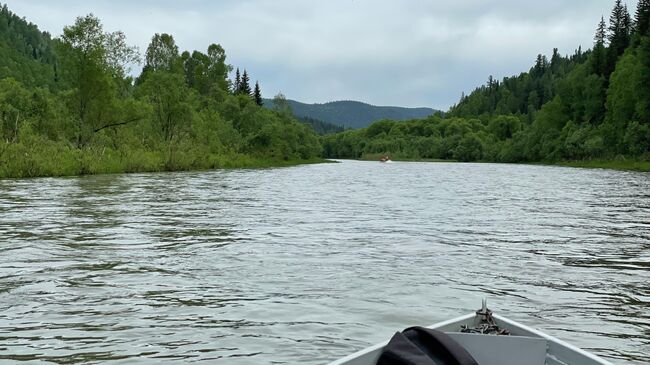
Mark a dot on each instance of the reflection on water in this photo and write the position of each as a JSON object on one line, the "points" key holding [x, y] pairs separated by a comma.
{"points": [[307, 264]]}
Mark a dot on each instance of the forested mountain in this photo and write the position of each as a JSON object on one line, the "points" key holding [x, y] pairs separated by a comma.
{"points": [[26, 54], [590, 105], [68, 106], [352, 114], [320, 127]]}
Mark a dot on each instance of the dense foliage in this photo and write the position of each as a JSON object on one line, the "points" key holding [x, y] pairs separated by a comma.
{"points": [[590, 105], [68, 106]]}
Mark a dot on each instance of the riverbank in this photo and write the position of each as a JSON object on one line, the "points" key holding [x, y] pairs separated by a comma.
{"points": [[377, 157], [623, 165], [56, 160], [614, 164]]}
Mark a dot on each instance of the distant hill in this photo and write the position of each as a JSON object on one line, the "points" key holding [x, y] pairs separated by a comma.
{"points": [[352, 114]]}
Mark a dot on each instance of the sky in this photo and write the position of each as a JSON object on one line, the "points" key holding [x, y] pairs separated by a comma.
{"points": [[408, 53]]}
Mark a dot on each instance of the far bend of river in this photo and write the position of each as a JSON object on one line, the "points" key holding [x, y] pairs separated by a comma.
{"points": [[307, 264]]}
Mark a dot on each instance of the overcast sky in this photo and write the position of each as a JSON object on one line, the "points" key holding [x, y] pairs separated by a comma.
{"points": [[399, 52]]}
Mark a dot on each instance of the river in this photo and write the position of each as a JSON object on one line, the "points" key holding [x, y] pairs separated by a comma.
{"points": [[306, 264]]}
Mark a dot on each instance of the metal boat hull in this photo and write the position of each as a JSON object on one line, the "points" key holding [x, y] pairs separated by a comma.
{"points": [[524, 346]]}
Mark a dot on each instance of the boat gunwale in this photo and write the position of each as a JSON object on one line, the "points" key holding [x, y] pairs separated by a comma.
{"points": [[559, 342], [384, 343], [499, 318]]}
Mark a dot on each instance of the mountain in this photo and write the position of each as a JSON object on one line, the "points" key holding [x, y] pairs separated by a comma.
{"points": [[26, 53], [352, 114]]}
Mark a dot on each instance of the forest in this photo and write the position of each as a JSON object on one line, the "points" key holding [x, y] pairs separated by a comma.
{"points": [[589, 108], [70, 106]]}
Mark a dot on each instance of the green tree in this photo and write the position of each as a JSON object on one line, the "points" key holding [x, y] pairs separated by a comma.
{"points": [[599, 56], [14, 109], [172, 104], [504, 127], [235, 86], [642, 18], [218, 69], [244, 85], [469, 149], [94, 66], [281, 105], [257, 94], [643, 82], [162, 53], [619, 34], [207, 73]]}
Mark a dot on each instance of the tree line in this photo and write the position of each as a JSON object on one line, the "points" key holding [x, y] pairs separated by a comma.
{"points": [[593, 104], [74, 108]]}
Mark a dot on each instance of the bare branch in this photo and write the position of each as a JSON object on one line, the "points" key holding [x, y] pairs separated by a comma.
{"points": [[117, 124]]}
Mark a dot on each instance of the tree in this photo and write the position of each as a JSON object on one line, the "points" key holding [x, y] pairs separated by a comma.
{"points": [[207, 73], [171, 101], [601, 32], [257, 94], [14, 109], [94, 66], [556, 60], [217, 68], [619, 32], [541, 64], [162, 53], [642, 18], [235, 87], [244, 85], [281, 105], [599, 57], [643, 82]]}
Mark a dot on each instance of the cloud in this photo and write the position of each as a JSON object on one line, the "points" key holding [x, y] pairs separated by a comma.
{"points": [[409, 52]]}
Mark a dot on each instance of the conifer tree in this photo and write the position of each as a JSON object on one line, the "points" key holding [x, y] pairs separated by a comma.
{"points": [[642, 18], [618, 36], [627, 25], [601, 32], [619, 29], [236, 86], [258, 94], [541, 63], [599, 53], [244, 84]]}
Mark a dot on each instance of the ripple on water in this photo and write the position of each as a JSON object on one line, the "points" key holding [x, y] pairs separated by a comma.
{"points": [[307, 264]]}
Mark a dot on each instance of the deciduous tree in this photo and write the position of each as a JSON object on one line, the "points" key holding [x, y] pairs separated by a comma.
{"points": [[94, 66]]}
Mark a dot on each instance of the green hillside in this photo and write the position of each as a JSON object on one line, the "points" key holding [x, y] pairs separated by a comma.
{"points": [[26, 54], [352, 114], [592, 105]]}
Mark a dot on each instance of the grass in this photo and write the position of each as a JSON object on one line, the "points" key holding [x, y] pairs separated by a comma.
{"points": [[58, 159]]}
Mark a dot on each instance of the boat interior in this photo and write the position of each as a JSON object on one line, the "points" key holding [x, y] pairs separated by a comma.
{"points": [[522, 346]]}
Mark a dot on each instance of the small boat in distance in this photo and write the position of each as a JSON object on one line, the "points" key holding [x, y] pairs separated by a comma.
{"points": [[385, 159], [490, 340]]}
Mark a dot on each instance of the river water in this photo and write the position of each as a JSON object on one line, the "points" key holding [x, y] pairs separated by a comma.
{"points": [[306, 264]]}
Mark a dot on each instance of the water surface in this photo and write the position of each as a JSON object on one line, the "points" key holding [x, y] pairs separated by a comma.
{"points": [[304, 265]]}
